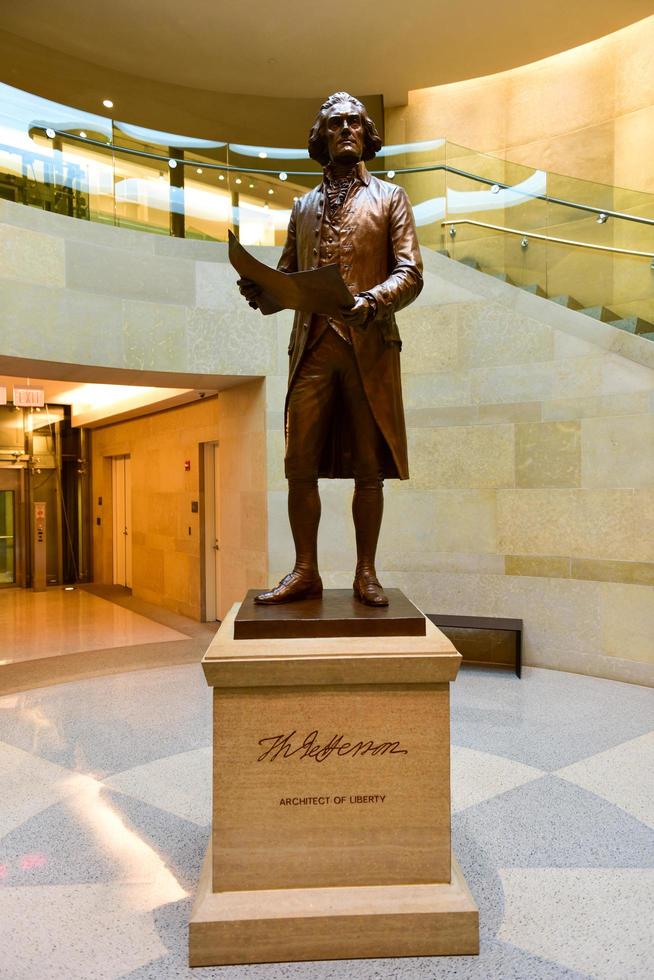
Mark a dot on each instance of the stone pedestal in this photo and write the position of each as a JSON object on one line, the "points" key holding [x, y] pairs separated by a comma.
{"points": [[331, 802]]}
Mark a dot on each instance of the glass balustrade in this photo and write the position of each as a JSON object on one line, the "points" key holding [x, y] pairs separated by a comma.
{"points": [[509, 220]]}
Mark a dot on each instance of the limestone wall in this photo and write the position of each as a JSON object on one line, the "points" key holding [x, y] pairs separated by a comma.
{"points": [[531, 442], [531, 432]]}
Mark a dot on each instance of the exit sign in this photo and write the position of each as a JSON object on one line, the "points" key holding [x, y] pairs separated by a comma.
{"points": [[29, 397]]}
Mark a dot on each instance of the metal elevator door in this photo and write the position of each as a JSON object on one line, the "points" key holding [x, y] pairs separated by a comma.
{"points": [[7, 537], [121, 485]]}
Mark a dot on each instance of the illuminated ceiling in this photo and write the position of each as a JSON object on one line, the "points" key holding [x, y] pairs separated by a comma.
{"points": [[97, 404], [297, 49]]}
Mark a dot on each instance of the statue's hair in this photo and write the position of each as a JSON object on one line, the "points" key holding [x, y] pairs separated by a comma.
{"points": [[318, 142]]}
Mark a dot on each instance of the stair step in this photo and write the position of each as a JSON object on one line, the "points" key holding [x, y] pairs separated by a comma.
{"points": [[471, 262], [647, 336], [632, 324], [643, 326], [602, 313], [565, 300], [533, 288]]}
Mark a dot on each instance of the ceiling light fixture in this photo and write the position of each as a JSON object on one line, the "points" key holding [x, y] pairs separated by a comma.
{"points": [[283, 176], [82, 134], [263, 155], [602, 218], [238, 181], [221, 176], [50, 133], [271, 191], [107, 103], [198, 170], [390, 174], [172, 164]]}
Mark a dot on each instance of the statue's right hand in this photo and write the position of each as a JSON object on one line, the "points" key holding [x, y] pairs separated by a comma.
{"points": [[250, 290]]}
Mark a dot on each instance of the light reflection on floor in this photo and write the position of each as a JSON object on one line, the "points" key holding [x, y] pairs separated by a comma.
{"points": [[59, 621]]}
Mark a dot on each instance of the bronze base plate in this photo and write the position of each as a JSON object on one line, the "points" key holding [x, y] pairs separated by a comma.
{"points": [[337, 613]]}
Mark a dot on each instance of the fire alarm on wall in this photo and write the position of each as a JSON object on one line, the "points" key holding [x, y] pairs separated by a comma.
{"points": [[187, 465]]}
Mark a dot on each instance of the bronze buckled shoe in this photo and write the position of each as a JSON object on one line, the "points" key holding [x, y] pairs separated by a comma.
{"points": [[368, 589], [292, 587]]}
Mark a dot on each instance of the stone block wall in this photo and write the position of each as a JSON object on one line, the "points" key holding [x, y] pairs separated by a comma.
{"points": [[530, 427]]}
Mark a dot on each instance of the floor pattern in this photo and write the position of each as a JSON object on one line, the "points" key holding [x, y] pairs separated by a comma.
{"points": [[105, 809]]}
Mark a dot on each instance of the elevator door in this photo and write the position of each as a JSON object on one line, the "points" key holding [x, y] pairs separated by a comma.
{"points": [[212, 556], [121, 485], [7, 538]]}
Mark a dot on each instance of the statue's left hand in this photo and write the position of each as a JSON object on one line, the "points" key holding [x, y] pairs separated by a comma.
{"points": [[357, 316]]}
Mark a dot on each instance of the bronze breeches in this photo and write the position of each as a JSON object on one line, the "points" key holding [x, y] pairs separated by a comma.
{"points": [[328, 379]]}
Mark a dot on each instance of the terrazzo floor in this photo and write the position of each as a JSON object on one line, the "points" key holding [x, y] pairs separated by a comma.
{"points": [[105, 809]]}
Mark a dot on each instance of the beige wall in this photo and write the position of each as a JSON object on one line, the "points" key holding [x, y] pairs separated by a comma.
{"points": [[588, 112], [531, 448], [167, 537], [530, 433], [243, 505], [166, 559]]}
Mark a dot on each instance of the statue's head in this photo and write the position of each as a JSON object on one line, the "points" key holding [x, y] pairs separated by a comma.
{"points": [[343, 131]]}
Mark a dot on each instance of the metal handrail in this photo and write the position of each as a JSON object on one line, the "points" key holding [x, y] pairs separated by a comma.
{"points": [[588, 208], [547, 238]]}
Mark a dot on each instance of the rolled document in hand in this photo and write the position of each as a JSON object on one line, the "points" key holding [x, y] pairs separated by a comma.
{"points": [[315, 291]]}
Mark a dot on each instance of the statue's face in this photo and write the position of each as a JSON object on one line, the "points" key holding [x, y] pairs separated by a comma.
{"points": [[345, 134]]}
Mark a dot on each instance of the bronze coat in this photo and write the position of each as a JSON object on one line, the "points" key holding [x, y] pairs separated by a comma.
{"points": [[378, 254]]}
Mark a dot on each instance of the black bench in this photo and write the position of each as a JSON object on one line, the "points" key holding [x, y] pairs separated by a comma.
{"points": [[486, 641]]}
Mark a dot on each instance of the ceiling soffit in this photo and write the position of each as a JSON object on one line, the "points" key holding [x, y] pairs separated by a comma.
{"points": [[296, 49]]}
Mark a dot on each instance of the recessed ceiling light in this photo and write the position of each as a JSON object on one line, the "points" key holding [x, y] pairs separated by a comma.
{"points": [[172, 163], [390, 174], [263, 154], [82, 134], [107, 103], [238, 181], [283, 176], [250, 185], [50, 133], [271, 191], [198, 170], [221, 176]]}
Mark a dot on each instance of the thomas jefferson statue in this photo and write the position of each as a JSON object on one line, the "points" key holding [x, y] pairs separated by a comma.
{"points": [[344, 415]]}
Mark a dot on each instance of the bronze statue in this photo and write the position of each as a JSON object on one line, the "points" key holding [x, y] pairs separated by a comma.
{"points": [[344, 415]]}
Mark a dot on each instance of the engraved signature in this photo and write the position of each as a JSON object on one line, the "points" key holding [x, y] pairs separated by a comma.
{"points": [[286, 746]]}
